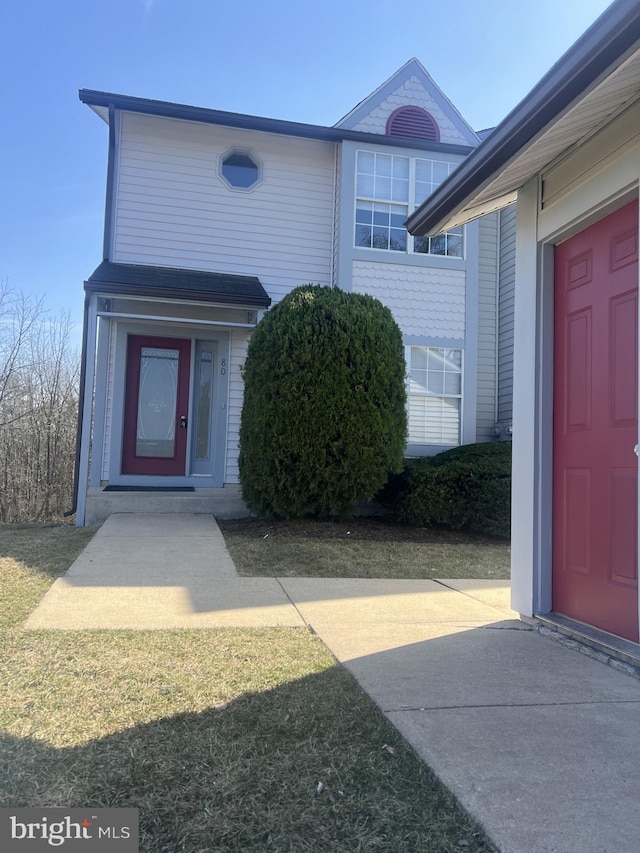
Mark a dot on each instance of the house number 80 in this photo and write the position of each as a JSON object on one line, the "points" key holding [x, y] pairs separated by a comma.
{"points": [[223, 366]]}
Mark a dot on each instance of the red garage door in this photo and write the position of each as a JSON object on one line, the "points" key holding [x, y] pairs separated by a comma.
{"points": [[595, 425]]}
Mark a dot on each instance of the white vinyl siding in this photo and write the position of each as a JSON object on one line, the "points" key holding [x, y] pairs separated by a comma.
{"points": [[487, 326], [434, 395], [172, 208], [506, 313], [239, 345]]}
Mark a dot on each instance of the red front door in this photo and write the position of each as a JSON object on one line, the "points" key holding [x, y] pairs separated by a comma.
{"points": [[595, 517], [156, 406]]}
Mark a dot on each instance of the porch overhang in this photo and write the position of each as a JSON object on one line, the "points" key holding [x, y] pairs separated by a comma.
{"points": [[223, 289], [595, 81]]}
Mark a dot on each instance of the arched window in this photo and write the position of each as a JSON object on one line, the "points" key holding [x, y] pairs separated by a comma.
{"points": [[413, 122]]}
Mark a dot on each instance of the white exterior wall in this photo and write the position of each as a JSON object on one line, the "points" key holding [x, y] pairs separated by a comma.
{"points": [[505, 315], [486, 406], [425, 301], [238, 355], [411, 93], [173, 210]]}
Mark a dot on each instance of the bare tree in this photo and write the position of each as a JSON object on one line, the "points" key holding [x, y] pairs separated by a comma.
{"points": [[38, 409]]}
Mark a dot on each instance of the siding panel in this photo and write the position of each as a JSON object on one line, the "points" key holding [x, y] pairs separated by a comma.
{"points": [[173, 210], [506, 309], [487, 326]]}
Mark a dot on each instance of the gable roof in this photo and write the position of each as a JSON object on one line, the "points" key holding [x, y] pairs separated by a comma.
{"points": [[167, 282], [101, 102], [596, 79], [411, 70]]}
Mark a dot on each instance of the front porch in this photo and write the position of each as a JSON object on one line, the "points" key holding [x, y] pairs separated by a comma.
{"points": [[225, 502]]}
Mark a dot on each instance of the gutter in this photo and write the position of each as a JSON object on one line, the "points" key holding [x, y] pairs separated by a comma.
{"points": [[605, 44], [167, 109]]}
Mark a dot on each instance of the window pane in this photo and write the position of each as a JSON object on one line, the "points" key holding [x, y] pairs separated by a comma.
{"points": [[384, 164], [381, 216], [435, 382], [401, 167], [419, 357], [423, 170], [438, 245], [440, 172], [382, 188], [398, 217], [421, 244], [400, 190], [366, 162], [363, 236], [155, 430], [203, 425], [452, 383], [398, 240], [380, 238], [455, 245], [365, 185], [364, 212]]}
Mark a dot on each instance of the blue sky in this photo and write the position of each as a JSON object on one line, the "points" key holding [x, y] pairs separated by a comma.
{"points": [[309, 62]]}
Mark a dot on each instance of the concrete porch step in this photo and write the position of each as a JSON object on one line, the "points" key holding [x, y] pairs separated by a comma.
{"points": [[225, 502]]}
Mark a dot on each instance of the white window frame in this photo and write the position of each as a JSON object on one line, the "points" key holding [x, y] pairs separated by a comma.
{"points": [[410, 204], [411, 394]]}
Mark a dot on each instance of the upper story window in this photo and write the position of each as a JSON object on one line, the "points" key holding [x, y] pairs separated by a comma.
{"points": [[240, 170], [388, 186], [413, 122]]}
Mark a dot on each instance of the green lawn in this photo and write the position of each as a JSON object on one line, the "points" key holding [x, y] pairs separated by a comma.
{"points": [[282, 551], [221, 738]]}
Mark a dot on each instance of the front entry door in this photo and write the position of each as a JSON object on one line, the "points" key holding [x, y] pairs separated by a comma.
{"points": [[595, 517], [156, 406]]}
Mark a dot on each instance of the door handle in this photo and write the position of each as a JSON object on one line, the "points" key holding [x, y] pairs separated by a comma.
{"points": [[636, 448], [183, 421]]}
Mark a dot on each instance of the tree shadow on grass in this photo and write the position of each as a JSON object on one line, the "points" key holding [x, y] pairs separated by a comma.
{"points": [[245, 777]]}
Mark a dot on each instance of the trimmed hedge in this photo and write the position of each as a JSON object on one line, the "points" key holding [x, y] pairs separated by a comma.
{"points": [[467, 487], [323, 421]]}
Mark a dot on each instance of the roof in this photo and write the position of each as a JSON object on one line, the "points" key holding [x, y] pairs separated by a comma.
{"points": [[597, 79], [101, 101], [142, 280]]}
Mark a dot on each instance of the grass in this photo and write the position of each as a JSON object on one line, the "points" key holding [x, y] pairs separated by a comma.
{"points": [[446, 556], [220, 738]]}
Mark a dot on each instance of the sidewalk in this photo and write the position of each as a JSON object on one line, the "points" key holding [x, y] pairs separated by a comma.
{"points": [[539, 742]]}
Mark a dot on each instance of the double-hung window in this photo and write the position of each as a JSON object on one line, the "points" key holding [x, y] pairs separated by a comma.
{"points": [[388, 187], [434, 395]]}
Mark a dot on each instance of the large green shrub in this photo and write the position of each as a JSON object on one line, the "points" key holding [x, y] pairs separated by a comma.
{"points": [[466, 487], [323, 422]]}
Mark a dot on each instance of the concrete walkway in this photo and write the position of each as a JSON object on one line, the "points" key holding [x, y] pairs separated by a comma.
{"points": [[539, 742]]}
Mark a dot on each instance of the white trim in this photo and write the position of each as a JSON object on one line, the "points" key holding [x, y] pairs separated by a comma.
{"points": [[85, 441], [183, 320]]}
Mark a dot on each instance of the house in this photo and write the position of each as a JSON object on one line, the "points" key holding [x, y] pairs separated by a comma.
{"points": [[211, 217], [569, 154]]}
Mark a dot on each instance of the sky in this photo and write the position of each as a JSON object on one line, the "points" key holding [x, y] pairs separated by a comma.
{"points": [[286, 59]]}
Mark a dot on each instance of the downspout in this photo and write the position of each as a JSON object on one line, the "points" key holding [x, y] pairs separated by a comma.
{"points": [[83, 374], [498, 281]]}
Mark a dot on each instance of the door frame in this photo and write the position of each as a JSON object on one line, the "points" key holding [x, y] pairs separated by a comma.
{"points": [[113, 439], [538, 231], [597, 245], [175, 465]]}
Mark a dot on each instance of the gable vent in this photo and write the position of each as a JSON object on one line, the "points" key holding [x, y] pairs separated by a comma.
{"points": [[413, 122]]}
